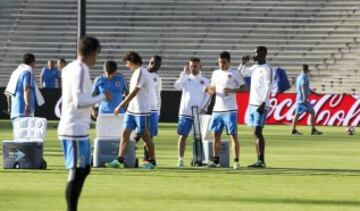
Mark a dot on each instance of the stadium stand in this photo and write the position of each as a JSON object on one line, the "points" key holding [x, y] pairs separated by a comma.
{"points": [[324, 34]]}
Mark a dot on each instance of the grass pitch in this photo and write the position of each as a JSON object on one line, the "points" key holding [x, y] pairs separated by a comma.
{"points": [[304, 173]]}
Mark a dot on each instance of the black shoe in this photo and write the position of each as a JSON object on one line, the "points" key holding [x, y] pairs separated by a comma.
{"points": [[258, 164], [295, 132], [316, 132]]}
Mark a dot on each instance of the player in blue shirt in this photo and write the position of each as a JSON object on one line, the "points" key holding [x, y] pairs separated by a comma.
{"points": [[302, 101], [50, 75], [112, 82], [22, 101]]}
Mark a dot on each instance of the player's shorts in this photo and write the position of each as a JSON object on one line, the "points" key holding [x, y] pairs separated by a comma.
{"points": [[304, 107], [219, 120], [77, 153], [184, 126], [154, 122], [137, 123], [254, 118]]}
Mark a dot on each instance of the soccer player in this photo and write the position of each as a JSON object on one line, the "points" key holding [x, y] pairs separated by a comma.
{"points": [[21, 89], [225, 83], [75, 120], [153, 66], [138, 111], [192, 85], [112, 82], [260, 89], [302, 101], [49, 75]]}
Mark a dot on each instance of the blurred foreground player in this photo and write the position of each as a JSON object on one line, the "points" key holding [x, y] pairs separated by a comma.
{"points": [[75, 120]]}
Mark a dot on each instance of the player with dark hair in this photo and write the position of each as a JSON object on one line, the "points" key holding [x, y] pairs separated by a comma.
{"points": [[260, 89], [138, 111], [302, 101], [75, 119], [112, 82], [192, 84], [225, 83], [22, 92], [50, 75]]}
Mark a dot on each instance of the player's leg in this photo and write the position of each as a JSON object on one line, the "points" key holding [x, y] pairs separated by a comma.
{"points": [[154, 124], [183, 130], [231, 126], [299, 110], [77, 159], [143, 129], [311, 111], [217, 126], [258, 122]]}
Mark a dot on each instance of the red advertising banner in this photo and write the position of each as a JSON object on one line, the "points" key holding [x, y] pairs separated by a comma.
{"points": [[331, 109]]}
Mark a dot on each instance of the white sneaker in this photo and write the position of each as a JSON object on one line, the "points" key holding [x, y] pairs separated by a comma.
{"points": [[213, 165], [236, 165], [180, 163]]}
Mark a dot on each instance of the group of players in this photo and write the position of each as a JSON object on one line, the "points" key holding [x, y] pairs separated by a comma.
{"points": [[141, 105]]}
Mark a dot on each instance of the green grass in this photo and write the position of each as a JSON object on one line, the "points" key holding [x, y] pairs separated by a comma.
{"points": [[304, 173]]}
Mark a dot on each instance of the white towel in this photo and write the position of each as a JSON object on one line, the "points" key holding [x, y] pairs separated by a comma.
{"points": [[11, 87]]}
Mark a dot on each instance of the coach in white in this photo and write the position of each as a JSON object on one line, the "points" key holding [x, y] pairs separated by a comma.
{"points": [[75, 119], [138, 112], [192, 85], [225, 83], [260, 89]]}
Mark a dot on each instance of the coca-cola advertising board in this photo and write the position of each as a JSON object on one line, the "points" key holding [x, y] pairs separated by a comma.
{"points": [[330, 109]]}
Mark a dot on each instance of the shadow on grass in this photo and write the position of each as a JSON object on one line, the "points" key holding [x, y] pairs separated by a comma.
{"points": [[189, 172]]}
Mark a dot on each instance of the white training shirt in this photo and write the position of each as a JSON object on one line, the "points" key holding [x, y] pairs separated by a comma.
{"points": [[262, 77], [226, 102], [141, 103], [156, 92], [76, 101], [192, 93]]}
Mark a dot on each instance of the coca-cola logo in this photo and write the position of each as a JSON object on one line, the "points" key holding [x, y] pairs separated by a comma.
{"points": [[332, 110]]}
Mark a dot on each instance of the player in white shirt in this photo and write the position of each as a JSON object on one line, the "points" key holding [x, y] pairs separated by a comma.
{"points": [[153, 66], [225, 83], [192, 85], [74, 125], [261, 83], [138, 111]]}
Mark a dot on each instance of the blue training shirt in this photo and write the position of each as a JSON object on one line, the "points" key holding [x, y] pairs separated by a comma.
{"points": [[117, 86], [301, 80], [50, 77], [17, 101]]}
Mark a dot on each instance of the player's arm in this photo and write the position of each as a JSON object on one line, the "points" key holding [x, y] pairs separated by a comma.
{"points": [[211, 89], [243, 69], [42, 77], [81, 99], [184, 75], [27, 92], [240, 84], [159, 89], [8, 97], [127, 100]]}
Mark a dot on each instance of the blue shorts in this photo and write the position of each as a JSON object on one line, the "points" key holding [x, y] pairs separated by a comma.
{"points": [[304, 107], [184, 126], [154, 121], [77, 153], [137, 123], [254, 119], [219, 120]]}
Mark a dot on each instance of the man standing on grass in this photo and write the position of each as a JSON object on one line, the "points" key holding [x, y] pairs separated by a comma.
{"points": [[75, 119], [225, 83], [22, 92], [192, 85], [138, 112], [302, 101], [260, 89]]}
